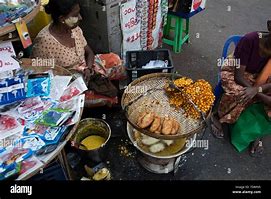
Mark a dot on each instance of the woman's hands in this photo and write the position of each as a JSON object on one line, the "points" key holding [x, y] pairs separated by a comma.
{"points": [[87, 74], [248, 94]]}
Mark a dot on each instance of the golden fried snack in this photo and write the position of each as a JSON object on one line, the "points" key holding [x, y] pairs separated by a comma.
{"points": [[183, 82], [159, 129], [145, 119], [155, 124], [167, 126], [175, 127], [200, 92]]}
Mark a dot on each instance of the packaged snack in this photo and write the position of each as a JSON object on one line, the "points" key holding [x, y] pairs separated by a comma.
{"points": [[38, 85], [29, 165], [75, 88], [32, 142], [34, 129], [50, 135], [9, 107], [12, 155], [48, 103], [31, 108], [54, 117], [53, 135], [59, 85], [9, 126], [75, 104], [12, 90], [6, 74], [29, 104], [12, 171]]}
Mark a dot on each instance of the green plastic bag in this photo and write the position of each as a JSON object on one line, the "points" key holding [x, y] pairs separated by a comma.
{"points": [[253, 123]]}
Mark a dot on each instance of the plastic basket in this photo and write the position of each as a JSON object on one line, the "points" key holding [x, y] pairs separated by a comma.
{"points": [[135, 60]]}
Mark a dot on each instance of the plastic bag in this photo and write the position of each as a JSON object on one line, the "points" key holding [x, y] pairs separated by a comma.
{"points": [[109, 65], [54, 117], [9, 159], [38, 85], [9, 126], [31, 108], [75, 104], [76, 88], [58, 86], [51, 135], [32, 142], [95, 100], [12, 90]]}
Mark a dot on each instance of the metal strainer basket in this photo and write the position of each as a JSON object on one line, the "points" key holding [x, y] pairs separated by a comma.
{"points": [[147, 94]]}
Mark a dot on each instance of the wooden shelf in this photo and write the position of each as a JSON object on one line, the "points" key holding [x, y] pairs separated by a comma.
{"points": [[10, 28]]}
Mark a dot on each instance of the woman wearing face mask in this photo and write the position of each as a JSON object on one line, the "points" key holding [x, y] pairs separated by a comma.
{"points": [[63, 39]]}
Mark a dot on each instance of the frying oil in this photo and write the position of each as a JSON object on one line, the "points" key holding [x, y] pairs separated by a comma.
{"points": [[172, 149]]}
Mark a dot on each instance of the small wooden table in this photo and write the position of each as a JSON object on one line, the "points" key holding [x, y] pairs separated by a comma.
{"points": [[59, 151]]}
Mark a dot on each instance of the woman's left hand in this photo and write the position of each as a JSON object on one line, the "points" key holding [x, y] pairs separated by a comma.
{"points": [[248, 94]]}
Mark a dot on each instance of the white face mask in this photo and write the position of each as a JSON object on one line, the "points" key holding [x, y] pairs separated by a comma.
{"points": [[71, 21]]}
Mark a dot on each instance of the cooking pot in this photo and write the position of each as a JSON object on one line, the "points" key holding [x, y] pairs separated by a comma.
{"points": [[159, 157], [88, 127]]}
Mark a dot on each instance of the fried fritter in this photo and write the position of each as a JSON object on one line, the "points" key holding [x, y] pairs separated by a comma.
{"points": [[145, 119], [155, 124], [167, 126], [175, 127]]}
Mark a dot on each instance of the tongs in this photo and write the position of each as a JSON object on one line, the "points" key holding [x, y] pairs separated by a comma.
{"points": [[173, 86]]}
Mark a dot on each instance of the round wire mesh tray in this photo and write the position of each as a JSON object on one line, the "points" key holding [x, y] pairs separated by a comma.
{"points": [[147, 94]]}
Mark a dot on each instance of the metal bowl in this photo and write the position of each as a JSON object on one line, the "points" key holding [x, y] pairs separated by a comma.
{"points": [[92, 126], [181, 152]]}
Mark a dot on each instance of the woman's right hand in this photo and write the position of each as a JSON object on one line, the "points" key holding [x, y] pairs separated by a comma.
{"points": [[248, 94], [87, 74]]}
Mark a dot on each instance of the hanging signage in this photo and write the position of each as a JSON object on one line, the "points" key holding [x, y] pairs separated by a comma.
{"points": [[23, 33], [7, 63], [130, 25]]}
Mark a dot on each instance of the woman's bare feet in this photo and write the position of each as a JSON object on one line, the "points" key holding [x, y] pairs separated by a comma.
{"points": [[256, 149], [216, 126]]}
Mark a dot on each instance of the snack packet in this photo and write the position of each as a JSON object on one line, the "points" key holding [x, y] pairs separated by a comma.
{"points": [[50, 135], [31, 108], [75, 104], [54, 117], [9, 157], [32, 142], [38, 85], [12, 90], [59, 85], [9, 126], [74, 89]]}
